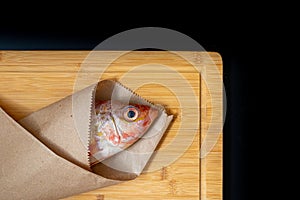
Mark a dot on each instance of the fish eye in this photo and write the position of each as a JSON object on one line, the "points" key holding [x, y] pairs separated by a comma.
{"points": [[131, 114]]}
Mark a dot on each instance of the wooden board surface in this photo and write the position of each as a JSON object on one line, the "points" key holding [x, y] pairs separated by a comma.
{"points": [[31, 80]]}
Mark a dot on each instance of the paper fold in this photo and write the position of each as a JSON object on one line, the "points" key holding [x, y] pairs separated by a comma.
{"points": [[29, 170], [49, 159], [64, 125]]}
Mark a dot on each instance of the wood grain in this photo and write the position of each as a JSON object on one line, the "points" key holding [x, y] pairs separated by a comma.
{"points": [[31, 80]]}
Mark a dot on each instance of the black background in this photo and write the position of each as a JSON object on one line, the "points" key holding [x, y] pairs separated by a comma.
{"points": [[236, 39]]}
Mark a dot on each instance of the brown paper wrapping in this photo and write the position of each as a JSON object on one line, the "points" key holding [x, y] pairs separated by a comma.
{"points": [[47, 157]]}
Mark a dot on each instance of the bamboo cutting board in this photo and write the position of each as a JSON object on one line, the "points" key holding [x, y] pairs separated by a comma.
{"points": [[31, 80]]}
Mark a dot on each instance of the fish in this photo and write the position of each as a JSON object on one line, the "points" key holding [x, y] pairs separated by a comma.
{"points": [[116, 126]]}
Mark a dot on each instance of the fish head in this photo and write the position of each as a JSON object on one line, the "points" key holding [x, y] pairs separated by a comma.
{"points": [[117, 126], [131, 121]]}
